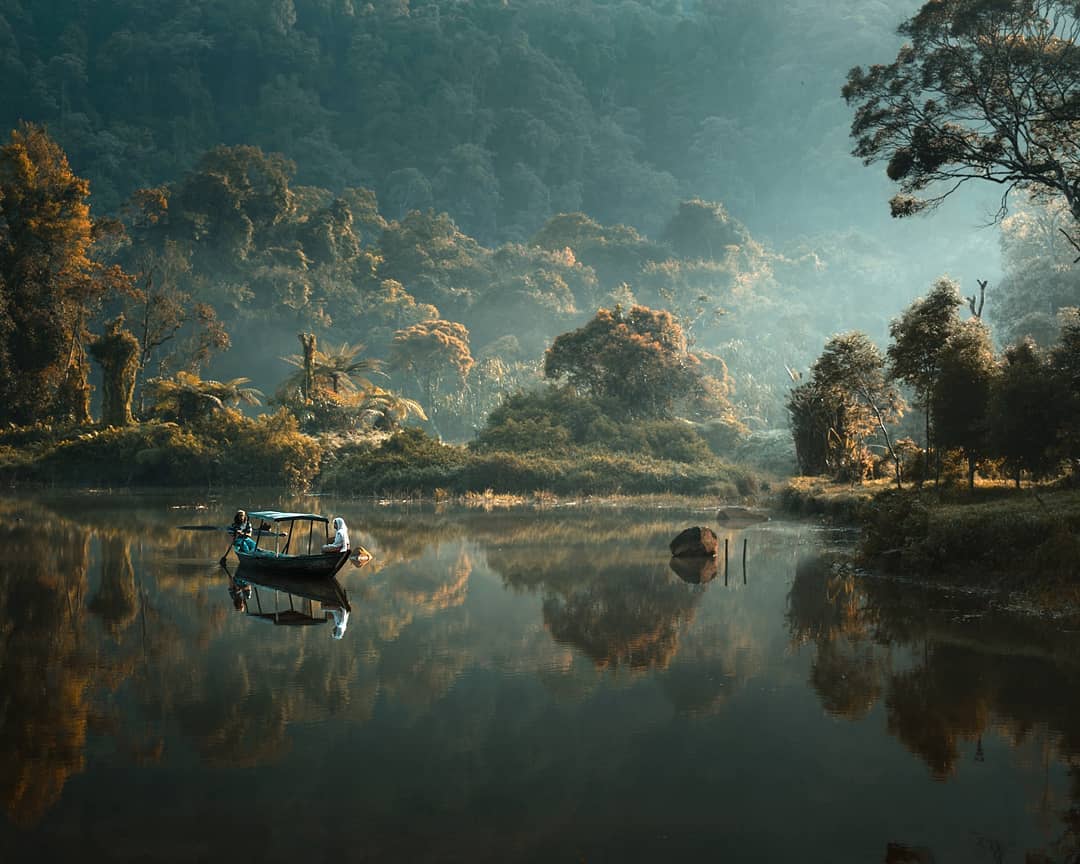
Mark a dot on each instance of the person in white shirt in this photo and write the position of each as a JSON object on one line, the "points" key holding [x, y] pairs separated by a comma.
{"points": [[340, 543]]}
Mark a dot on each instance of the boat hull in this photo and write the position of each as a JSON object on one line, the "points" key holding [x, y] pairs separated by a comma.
{"points": [[296, 566]]}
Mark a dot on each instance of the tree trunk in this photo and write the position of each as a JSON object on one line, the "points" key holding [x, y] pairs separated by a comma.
{"points": [[307, 387], [929, 447], [971, 471], [888, 442]]}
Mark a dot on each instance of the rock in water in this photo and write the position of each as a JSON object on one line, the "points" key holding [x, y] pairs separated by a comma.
{"points": [[695, 541]]}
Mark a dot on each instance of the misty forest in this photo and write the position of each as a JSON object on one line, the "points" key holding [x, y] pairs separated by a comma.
{"points": [[439, 248]]}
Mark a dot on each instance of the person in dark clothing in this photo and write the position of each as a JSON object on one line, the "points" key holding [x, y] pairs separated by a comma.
{"points": [[240, 527]]}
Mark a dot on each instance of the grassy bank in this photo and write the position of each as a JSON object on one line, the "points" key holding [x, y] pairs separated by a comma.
{"points": [[815, 496], [994, 535], [413, 463], [271, 451]]}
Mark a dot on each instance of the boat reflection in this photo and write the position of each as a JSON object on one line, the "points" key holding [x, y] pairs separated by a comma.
{"points": [[291, 601]]}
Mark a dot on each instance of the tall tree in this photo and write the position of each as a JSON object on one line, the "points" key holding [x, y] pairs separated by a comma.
{"points": [[1039, 276], [432, 353], [814, 416], [1026, 411], [175, 330], [1065, 363], [853, 368], [961, 396], [918, 338], [985, 90], [50, 279], [636, 358], [703, 229], [338, 370]]}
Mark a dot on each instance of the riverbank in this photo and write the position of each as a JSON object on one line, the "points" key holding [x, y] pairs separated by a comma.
{"points": [[271, 451], [994, 536]]}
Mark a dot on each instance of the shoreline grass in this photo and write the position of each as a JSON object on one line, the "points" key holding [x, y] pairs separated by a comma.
{"points": [[995, 536]]}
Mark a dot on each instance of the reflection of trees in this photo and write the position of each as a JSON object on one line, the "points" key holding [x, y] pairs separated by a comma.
{"points": [[115, 600], [418, 589], [429, 591], [826, 606], [623, 617], [847, 676], [598, 597], [934, 706], [234, 722], [421, 646], [967, 673], [825, 602], [45, 671]]}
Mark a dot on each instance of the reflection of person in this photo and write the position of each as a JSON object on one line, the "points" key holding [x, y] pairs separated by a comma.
{"points": [[340, 616], [340, 543], [239, 592]]}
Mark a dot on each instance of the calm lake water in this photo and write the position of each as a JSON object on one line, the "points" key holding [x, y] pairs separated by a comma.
{"points": [[522, 686]]}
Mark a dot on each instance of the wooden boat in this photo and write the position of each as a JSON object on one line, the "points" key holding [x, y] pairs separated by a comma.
{"points": [[297, 547]]}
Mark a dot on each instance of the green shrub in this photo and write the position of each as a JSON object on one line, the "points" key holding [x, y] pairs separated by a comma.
{"points": [[226, 448], [269, 449], [550, 420], [432, 466], [408, 460], [154, 454], [525, 434]]}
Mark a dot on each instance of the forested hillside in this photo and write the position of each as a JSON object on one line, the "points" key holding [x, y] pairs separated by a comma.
{"points": [[500, 113], [364, 172]]}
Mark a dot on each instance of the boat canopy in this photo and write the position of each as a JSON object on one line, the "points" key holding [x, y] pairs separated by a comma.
{"points": [[278, 516]]}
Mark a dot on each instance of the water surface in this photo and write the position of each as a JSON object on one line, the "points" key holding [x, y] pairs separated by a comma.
{"points": [[514, 686]]}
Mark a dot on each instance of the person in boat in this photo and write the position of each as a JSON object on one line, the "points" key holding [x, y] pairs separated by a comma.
{"points": [[340, 543], [241, 531], [241, 526]]}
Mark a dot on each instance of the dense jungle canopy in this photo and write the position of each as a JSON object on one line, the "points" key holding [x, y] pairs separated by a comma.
{"points": [[508, 168]]}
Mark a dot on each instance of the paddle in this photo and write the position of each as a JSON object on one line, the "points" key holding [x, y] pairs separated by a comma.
{"points": [[221, 563], [262, 531]]}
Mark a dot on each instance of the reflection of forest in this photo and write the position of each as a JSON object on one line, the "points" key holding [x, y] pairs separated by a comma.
{"points": [[598, 596], [949, 671], [111, 597], [111, 602], [45, 670], [622, 616]]}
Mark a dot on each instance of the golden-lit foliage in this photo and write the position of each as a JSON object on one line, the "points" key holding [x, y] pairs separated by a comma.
{"points": [[429, 346], [188, 398], [636, 358], [52, 282]]}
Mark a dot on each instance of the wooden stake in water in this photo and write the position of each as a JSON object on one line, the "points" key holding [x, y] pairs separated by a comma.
{"points": [[725, 560], [743, 560]]}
